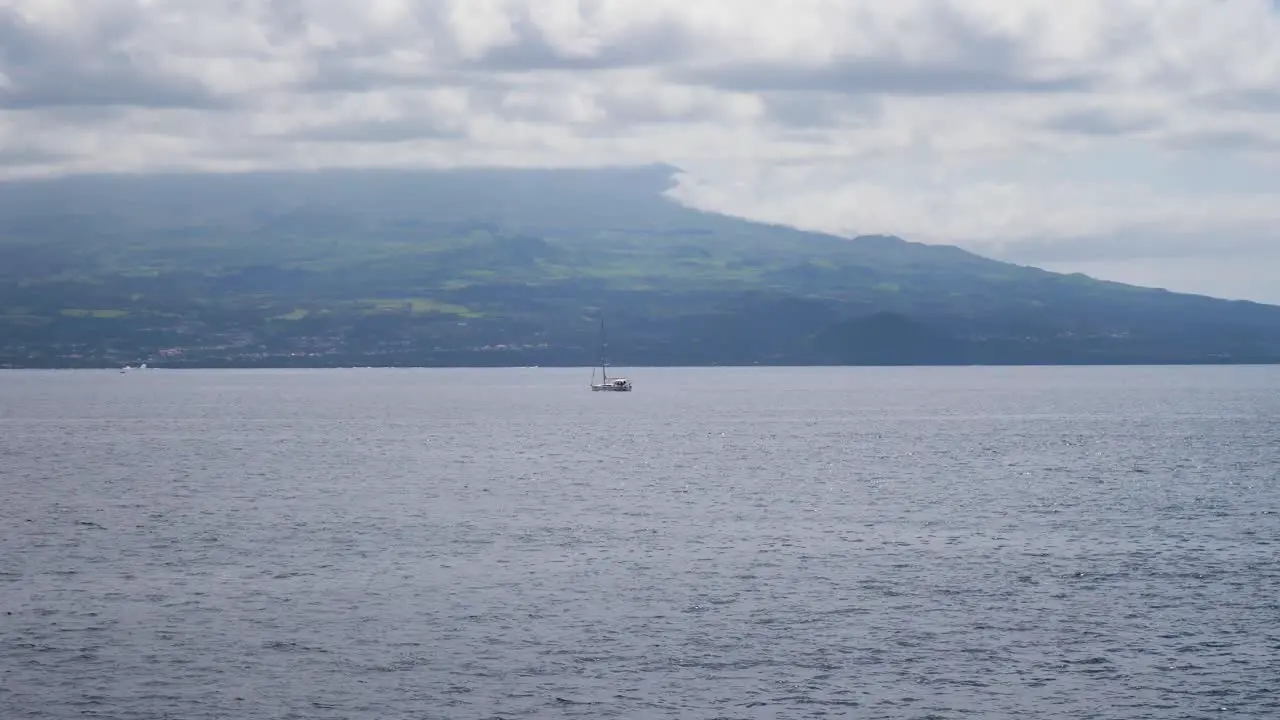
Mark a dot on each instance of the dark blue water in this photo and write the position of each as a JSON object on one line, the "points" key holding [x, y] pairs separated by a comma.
{"points": [[721, 543]]}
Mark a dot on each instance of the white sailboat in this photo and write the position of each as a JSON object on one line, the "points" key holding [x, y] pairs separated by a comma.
{"points": [[607, 384]]}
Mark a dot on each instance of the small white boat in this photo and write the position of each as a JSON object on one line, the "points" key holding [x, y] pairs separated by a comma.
{"points": [[612, 384], [607, 384]]}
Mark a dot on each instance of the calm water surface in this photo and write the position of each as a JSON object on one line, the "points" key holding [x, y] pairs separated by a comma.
{"points": [[721, 543]]}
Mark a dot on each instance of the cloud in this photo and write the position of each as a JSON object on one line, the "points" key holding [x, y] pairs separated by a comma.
{"points": [[1099, 121], [44, 68], [875, 77], [994, 213], [944, 52], [1091, 131], [551, 36]]}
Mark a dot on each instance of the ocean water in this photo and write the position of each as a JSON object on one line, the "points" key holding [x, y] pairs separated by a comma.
{"points": [[721, 543]]}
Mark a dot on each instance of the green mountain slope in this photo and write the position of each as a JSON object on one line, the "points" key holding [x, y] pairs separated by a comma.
{"points": [[496, 267]]}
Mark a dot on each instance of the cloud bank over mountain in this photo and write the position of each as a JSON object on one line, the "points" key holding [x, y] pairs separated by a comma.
{"points": [[1137, 139]]}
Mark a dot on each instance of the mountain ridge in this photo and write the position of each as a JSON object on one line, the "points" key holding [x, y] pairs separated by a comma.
{"points": [[489, 266]]}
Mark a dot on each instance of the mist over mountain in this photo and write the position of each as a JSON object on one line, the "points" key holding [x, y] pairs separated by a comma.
{"points": [[515, 267]]}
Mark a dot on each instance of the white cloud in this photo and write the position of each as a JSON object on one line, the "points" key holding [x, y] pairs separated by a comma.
{"points": [[1036, 130]]}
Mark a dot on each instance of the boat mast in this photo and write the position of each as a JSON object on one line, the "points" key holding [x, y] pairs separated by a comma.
{"points": [[604, 373]]}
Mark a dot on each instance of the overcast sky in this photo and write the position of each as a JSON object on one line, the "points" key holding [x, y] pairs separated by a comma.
{"points": [[1136, 140]]}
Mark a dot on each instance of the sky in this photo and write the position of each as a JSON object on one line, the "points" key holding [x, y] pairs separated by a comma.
{"points": [[1134, 140]]}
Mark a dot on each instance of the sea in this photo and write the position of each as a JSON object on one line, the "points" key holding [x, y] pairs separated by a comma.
{"points": [[975, 542]]}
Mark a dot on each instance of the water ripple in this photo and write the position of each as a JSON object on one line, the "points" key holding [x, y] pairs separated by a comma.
{"points": [[764, 543]]}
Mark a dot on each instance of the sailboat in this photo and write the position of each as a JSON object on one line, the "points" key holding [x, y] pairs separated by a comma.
{"points": [[607, 383]]}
